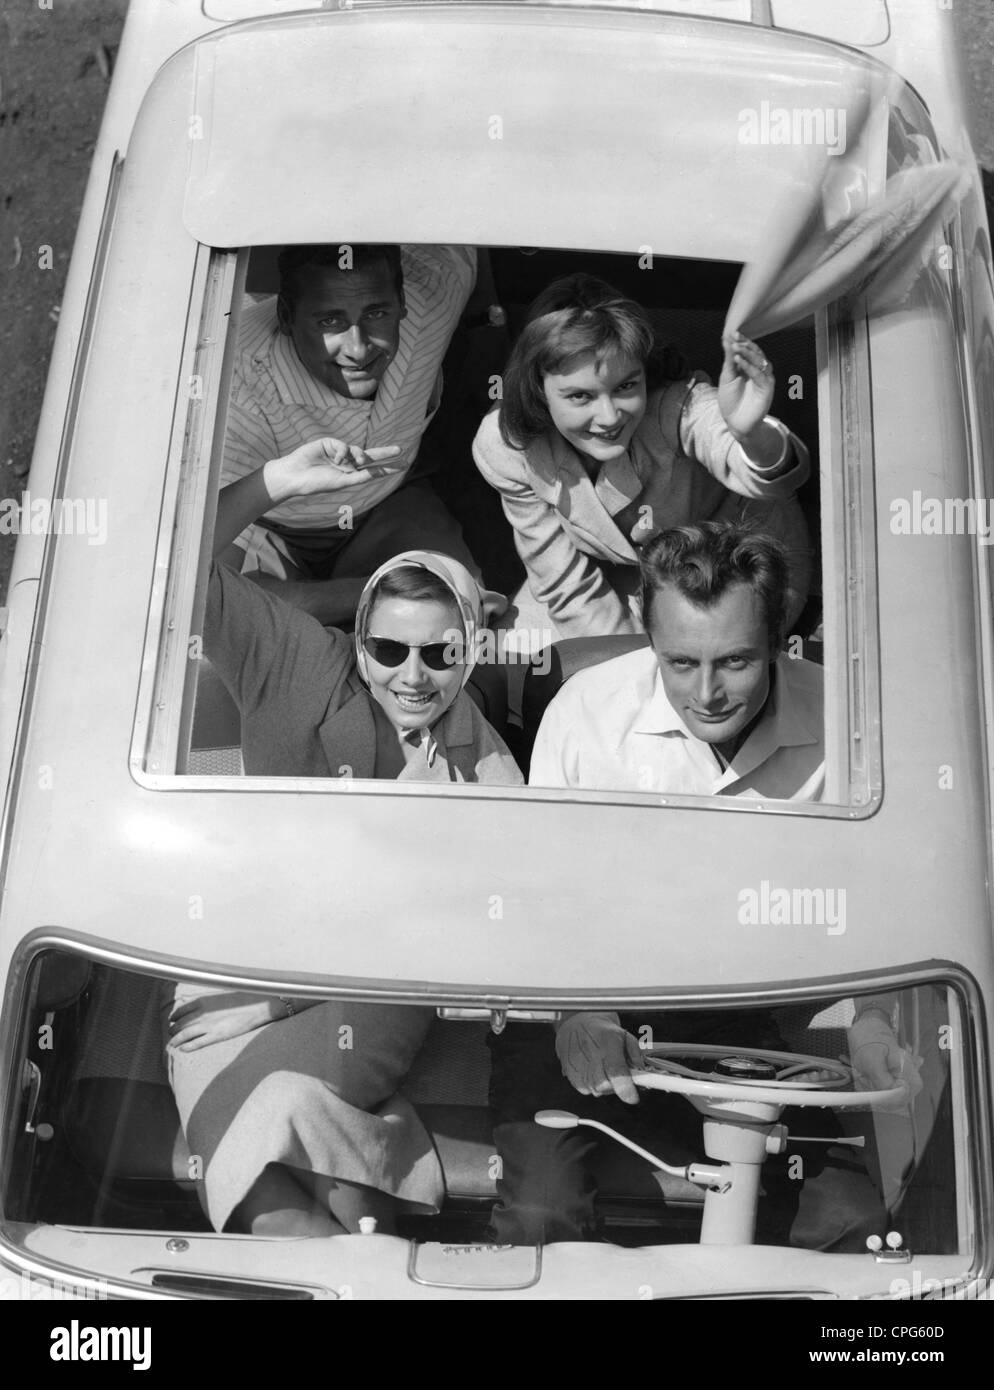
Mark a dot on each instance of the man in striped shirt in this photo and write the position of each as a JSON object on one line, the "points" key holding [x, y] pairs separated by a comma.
{"points": [[351, 348]]}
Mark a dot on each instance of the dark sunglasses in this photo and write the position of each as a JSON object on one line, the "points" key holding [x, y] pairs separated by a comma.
{"points": [[437, 656]]}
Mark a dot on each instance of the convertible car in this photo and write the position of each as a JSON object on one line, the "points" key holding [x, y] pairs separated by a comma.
{"points": [[646, 143]]}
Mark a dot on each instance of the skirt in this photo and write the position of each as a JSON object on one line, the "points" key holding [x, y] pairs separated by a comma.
{"points": [[316, 1091]]}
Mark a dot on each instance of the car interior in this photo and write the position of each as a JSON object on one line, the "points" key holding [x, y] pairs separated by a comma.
{"points": [[98, 1141], [686, 301]]}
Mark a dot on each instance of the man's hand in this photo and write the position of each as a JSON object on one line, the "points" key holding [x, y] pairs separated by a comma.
{"points": [[879, 1062], [598, 1056], [323, 465], [211, 1018], [326, 465]]}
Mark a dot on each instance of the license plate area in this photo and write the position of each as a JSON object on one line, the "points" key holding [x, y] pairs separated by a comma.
{"points": [[473, 1266]]}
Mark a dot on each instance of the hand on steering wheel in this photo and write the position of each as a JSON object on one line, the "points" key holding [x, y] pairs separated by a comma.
{"points": [[598, 1056]]}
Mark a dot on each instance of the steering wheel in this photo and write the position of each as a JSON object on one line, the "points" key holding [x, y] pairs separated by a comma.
{"points": [[787, 1088]]}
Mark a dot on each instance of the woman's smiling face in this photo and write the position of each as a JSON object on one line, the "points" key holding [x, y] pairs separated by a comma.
{"points": [[412, 695], [597, 407]]}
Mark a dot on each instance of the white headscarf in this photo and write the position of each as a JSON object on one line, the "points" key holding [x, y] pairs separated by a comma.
{"points": [[466, 594]]}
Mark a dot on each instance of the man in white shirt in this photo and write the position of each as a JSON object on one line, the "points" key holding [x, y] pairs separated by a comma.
{"points": [[708, 709], [351, 349]]}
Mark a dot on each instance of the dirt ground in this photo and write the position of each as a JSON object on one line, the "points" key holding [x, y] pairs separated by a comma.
{"points": [[55, 66]]}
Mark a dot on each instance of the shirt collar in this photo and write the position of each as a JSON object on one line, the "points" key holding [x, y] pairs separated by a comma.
{"points": [[658, 716], [785, 724]]}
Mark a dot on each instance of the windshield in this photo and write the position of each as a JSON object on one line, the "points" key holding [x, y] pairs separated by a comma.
{"points": [[145, 1107]]}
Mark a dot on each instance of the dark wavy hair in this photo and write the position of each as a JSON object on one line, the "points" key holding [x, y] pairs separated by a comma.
{"points": [[294, 260], [573, 318], [703, 561]]}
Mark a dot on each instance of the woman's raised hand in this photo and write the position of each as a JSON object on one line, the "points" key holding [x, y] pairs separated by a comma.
{"points": [[327, 465], [745, 387]]}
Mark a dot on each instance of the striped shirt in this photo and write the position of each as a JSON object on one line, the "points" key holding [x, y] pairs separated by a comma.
{"points": [[277, 405]]}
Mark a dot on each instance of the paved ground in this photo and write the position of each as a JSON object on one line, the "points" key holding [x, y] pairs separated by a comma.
{"points": [[54, 69]]}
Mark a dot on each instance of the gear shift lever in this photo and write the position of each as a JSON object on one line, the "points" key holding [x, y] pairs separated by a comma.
{"points": [[703, 1174]]}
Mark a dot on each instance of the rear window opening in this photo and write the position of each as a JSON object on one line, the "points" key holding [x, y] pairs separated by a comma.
{"points": [[94, 1137], [195, 725]]}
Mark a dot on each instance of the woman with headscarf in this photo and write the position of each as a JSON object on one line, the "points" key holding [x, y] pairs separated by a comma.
{"points": [[295, 1134]]}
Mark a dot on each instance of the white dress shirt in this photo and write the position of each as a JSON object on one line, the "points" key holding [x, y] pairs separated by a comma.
{"points": [[611, 728]]}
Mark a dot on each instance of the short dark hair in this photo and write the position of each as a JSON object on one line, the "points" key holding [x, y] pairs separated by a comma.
{"points": [[413, 582], [294, 260], [703, 561]]}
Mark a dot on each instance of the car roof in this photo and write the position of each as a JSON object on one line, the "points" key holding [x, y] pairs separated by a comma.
{"points": [[471, 154], [492, 896]]}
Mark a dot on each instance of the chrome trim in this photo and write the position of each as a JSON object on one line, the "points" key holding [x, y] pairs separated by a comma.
{"points": [[52, 1272], [316, 1291], [415, 1278], [804, 1294], [208, 352], [861, 657], [31, 1084], [983, 561], [497, 1018], [334, 786], [435, 994]]}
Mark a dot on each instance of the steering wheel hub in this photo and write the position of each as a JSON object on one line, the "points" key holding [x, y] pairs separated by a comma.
{"points": [[739, 1081], [745, 1069]]}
